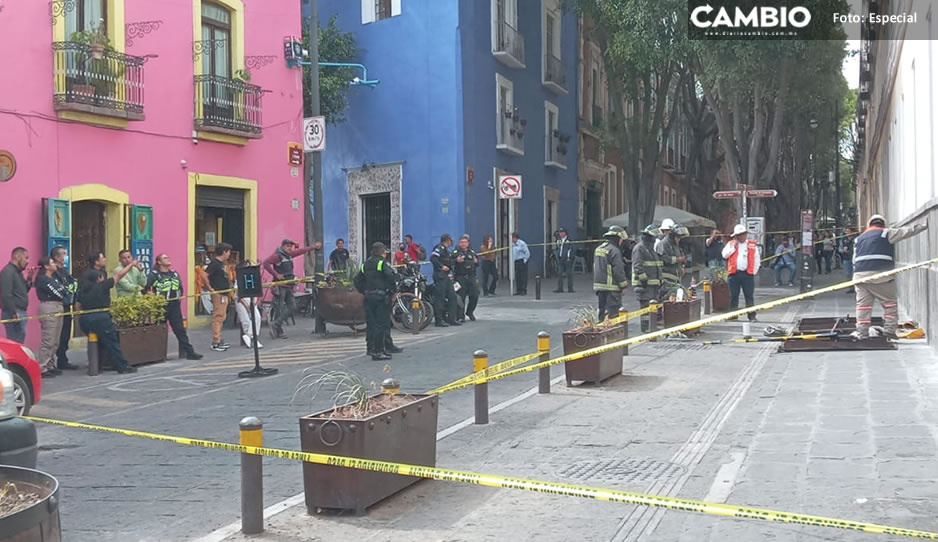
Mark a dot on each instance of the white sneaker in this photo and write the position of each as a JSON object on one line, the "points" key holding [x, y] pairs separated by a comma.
{"points": [[247, 341], [259, 345]]}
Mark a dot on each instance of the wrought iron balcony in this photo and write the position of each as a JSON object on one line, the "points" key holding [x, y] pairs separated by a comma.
{"points": [[511, 128], [556, 152], [509, 45], [555, 74], [97, 80], [228, 106]]}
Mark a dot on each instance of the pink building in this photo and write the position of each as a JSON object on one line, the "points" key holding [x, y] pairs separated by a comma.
{"points": [[158, 126]]}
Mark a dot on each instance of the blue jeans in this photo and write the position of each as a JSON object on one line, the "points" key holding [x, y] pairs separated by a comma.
{"points": [[791, 272], [16, 331]]}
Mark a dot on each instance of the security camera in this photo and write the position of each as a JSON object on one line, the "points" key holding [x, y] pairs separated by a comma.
{"points": [[356, 80], [183, 164]]}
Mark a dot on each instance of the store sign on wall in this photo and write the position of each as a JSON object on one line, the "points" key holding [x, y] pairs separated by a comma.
{"points": [[7, 166]]}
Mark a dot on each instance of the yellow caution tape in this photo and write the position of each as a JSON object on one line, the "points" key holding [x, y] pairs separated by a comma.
{"points": [[489, 371], [699, 323], [526, 484]]}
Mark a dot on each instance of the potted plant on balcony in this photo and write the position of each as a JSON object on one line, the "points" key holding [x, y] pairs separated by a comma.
{"points": [[385, 426], [587, 332], [141, 322], [97, 73]]}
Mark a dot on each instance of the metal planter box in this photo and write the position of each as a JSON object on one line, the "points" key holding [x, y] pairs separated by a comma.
{"points": [[405, 434], [340, 305], [597, 367], [720, 296], [682, 312], [140, 345], [39, 522]]}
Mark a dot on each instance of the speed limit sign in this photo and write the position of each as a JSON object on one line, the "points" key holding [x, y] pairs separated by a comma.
{"points": [[314, 134]]}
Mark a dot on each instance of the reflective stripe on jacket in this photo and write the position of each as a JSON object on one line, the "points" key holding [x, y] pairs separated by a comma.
{"points": [[873, 251], [608, 268], [646, 266], [670, 252]]}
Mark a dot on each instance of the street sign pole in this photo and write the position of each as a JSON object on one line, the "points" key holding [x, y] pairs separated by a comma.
{"points": [[511, 248]]}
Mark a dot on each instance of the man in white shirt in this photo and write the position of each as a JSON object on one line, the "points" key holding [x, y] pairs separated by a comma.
{"points": [[520, 255], [742, 265]]}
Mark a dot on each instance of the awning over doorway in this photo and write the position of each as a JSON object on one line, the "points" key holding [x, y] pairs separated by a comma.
{"points": [[682, 217]]}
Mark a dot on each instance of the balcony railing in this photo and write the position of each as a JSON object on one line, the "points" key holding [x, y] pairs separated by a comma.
{"points": [[228, 106], [555, 75], [97, 81], [557, 150], [511, 129], [509, 45]]}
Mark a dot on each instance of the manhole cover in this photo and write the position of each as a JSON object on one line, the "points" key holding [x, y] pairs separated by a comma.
{"points": [[680, 346], [622, 470]]}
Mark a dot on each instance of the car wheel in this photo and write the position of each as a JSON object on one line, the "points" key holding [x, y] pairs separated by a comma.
{"points": [[22, 396]]}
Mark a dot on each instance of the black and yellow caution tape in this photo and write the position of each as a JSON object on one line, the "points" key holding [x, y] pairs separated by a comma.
{"points": [[483, 375], [806, 337], [488, 371], [699, 323], [525, 484]]}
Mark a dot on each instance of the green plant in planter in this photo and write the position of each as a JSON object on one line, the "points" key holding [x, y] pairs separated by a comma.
{"points": [[95, 68], [718, 275], [138, 311], [584, 318]]}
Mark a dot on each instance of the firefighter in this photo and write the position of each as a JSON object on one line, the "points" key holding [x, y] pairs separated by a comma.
{"points": [[465, 271], [646, 270], [609, 279], [671, 257], [165, 282], [375, 279], [444, 296], [874, 252]]}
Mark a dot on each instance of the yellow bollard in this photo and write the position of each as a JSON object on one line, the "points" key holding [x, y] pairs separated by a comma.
{"points": [[252, 477], [94, 355], [480, 362], [543, 374]]}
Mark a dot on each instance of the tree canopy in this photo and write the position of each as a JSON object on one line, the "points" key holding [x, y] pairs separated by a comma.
{"points": [[334, 46]]}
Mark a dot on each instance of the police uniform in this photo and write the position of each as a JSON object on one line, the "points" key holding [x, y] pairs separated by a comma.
{"points": [[169, 285], [376, 280], [874, 252], [284, 292], [71, 287], [646, 273], [466, 277], [444, 296], [609, 277]]}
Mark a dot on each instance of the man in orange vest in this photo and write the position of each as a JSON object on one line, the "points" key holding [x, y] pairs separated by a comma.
{"points": [[742, 265]]}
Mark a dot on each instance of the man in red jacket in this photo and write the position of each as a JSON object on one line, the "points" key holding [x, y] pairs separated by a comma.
{"points": [[413, 249]]}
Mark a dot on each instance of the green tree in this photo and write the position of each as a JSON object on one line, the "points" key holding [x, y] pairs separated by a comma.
{"points": [[334, 46], [643, 43]]}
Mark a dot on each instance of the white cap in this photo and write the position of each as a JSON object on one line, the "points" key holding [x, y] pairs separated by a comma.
{"points": [[877, 217], [667, 224], [739, 229]]}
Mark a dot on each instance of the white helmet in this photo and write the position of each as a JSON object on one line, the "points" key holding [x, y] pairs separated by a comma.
{"points": [[739, 229], [667, 224], [876, 217]]}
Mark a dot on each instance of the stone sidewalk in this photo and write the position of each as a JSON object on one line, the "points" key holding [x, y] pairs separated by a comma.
{"points": [[846, 435]]}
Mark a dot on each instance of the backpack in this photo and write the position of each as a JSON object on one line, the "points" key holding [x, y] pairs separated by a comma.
{"points": [[421, 253]]}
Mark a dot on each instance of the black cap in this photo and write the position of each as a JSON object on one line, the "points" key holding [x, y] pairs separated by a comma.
{"points": [[564, 230]]}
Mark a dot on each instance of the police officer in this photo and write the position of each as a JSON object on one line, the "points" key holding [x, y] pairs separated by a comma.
{"points": [[465, 269], [873, 253], [646, 270], [444, 296], [165, 282], [59, 253], [609, 279], [672, 257], [375, 279]]}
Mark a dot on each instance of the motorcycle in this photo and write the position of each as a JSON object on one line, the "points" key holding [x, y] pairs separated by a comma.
{"points": [[411, 304]]}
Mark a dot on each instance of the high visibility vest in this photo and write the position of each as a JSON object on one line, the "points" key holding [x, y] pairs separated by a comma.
{"points": [[750, 258], [873, 251]]}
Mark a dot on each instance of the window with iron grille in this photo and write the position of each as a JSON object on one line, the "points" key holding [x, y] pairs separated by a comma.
{"points": [[382, 9]]}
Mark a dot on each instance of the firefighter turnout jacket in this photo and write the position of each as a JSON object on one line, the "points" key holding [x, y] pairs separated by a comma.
{"points": [[670, 260], [646, 268], [608, 268]]}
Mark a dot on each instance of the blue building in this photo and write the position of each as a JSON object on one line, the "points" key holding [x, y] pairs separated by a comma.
{"points": [[470, 90]]}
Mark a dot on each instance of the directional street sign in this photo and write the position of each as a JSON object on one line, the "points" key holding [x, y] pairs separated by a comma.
{"points": [[727, 194], [761, 193], [509, 187]]}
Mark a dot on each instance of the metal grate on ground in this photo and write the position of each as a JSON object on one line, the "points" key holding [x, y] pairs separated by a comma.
{"points": [[621, 470], [680, 346]]}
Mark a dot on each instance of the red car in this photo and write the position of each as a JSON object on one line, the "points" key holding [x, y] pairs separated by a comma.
{"points": [[27, 376]]}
